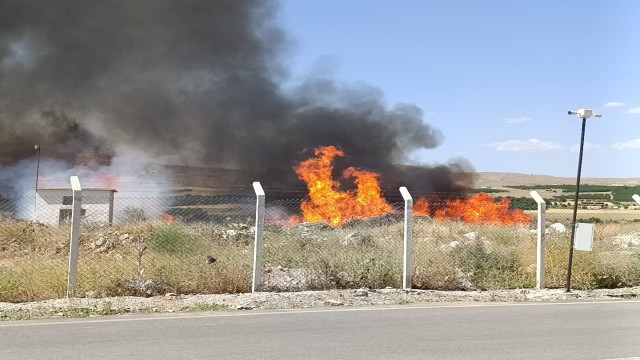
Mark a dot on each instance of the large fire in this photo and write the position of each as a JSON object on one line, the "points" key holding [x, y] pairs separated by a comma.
{"points": [[330, 205], [327, 203], [480, 209]]}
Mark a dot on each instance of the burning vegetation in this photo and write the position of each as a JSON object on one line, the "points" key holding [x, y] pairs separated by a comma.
{"points": [[327, 203], [480, 209]]}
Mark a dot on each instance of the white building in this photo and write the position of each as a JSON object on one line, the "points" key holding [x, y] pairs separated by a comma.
{"points": [[54, 205]]}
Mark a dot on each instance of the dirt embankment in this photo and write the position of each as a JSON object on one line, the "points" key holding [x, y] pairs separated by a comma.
{"points": [[170, 303]]}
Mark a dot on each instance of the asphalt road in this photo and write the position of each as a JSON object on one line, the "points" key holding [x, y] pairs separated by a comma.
{"points": [[604, 330]]}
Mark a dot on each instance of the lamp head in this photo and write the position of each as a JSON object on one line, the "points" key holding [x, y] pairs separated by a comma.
{"points": [[584, 113]]}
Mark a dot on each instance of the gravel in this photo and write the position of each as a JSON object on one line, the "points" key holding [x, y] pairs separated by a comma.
{"points": [[170, 303]]}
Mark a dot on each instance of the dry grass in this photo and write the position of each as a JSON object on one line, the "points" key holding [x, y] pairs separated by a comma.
{"points": [[610, 215], [152, 257]]}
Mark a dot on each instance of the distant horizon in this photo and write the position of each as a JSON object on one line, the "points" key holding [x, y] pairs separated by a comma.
{"points": [[477, 172]]}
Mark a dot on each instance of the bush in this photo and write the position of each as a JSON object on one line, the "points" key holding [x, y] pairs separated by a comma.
{"points": [[169, 238], [591, 220], [482, 266], [131, 215]]}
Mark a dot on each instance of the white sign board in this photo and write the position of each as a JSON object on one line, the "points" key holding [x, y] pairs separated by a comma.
{"points": [[584, 237]]}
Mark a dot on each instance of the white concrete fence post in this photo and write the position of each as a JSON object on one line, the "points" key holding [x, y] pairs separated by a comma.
{"points": [[540, 264], [636, 197], [258, 239], [76, 217], [407, 271]]}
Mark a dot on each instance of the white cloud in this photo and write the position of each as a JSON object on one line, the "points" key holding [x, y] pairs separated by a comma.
{"points": [[614, 104], [517, 120], [631, 144], [634, 110], [587, 147], [524, 145]]}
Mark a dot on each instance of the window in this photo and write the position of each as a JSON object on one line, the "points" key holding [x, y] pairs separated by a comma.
{"points": [[67, 200]]}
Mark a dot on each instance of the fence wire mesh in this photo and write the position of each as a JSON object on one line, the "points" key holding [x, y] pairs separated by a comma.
{"points": [[615, 258], [452, 255], [33, 254], [147, 245], [179, 244], [300, 255]]}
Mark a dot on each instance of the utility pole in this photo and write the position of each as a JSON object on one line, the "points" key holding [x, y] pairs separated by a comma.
{"points": [[584, 114]]}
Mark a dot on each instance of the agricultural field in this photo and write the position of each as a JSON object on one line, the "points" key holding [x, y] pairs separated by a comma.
{"points": [[559, 192], [591, 216]]}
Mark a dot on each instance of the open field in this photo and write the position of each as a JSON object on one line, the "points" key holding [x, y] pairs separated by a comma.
{"points": [[612, 215], [148, 258]]}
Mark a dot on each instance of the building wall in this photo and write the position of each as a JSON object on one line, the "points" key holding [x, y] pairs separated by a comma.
{"points": [[97, 206]]}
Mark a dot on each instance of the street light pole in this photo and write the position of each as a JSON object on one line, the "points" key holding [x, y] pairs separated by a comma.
{"points": [[35, 198], [584, 114]]}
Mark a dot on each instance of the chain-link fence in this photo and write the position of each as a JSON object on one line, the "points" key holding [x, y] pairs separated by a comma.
{"points": [[179, 244], [615, 258], [129, 245], [143, 245], [34, 248], [299, 255]]}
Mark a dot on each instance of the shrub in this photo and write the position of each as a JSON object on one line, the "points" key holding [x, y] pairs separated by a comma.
{"points": [[591, 220], [485, 268], [131, 215], [169, 238]]}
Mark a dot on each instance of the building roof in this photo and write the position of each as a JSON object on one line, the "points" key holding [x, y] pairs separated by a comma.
{"points": [[69, 188]]}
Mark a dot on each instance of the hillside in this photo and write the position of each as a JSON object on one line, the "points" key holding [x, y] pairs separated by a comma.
{"points": [[492, 180]]}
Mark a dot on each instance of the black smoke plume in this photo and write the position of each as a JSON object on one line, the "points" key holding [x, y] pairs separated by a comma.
{"points": [[189, 82]]}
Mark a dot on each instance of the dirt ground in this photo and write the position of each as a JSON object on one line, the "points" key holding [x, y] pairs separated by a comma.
{"points": [[170, 303]]}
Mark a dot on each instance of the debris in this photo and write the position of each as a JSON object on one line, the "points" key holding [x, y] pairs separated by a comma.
{"points": [[557, 227], [361, 292], [333, 302]]}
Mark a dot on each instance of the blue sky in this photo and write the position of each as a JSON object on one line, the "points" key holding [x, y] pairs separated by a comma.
{"points": [[496, 77]]}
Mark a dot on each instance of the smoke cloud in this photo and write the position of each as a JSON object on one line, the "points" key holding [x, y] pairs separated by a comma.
{"points": [[190, 82]]}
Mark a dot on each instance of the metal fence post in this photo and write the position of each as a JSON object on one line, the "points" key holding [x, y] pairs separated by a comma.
{"points": [[258, 239], [636, 198], [76, 214], [407, 271], [540, 264]]}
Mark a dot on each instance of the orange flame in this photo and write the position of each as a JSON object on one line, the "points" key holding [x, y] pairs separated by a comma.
{"points": [[480, 209], [327, 203], [109, 180], [421, 207], [169, 219]]}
